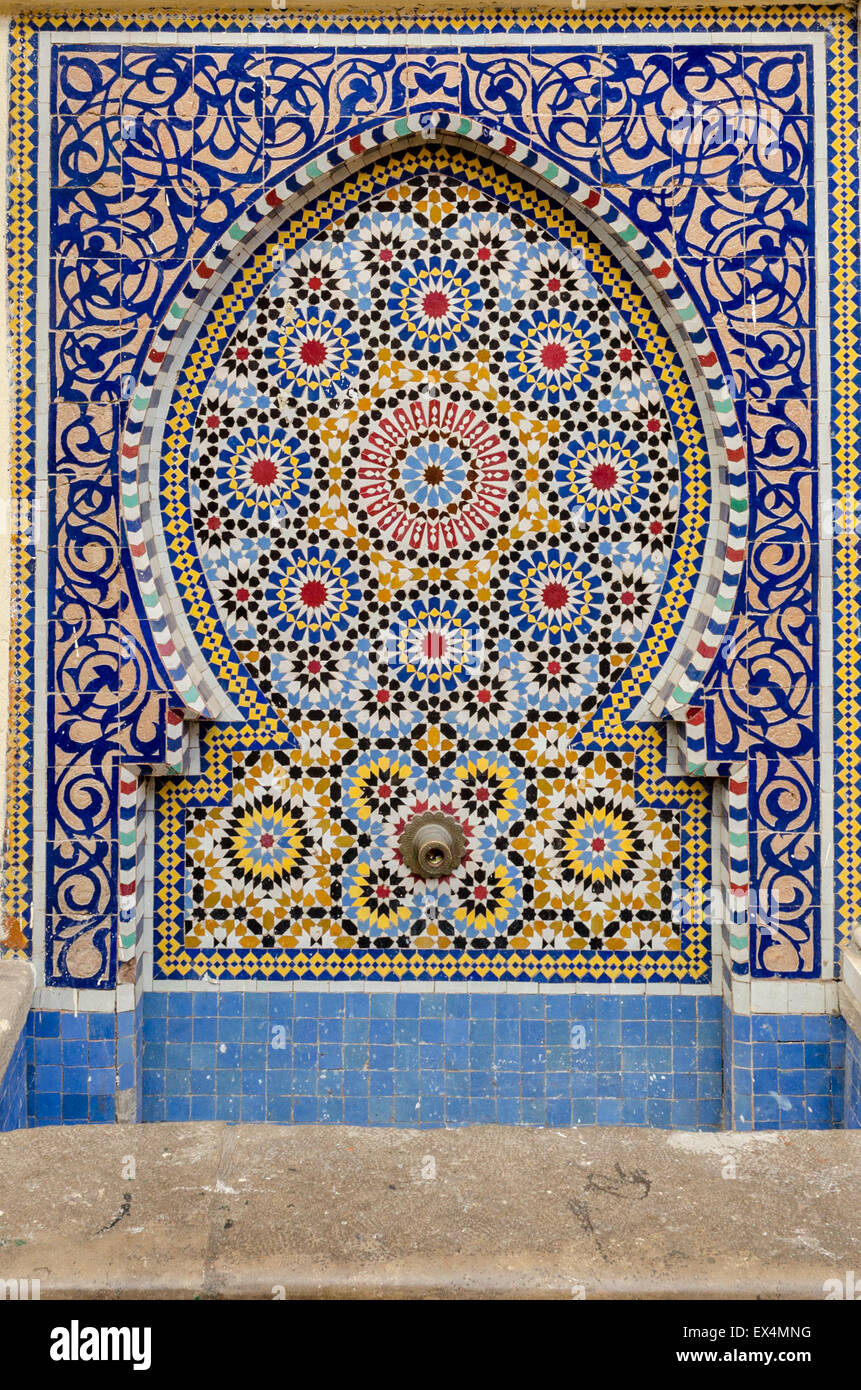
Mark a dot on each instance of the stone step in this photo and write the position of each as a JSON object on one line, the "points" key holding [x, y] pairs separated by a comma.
{"points": [[259, 1211]]}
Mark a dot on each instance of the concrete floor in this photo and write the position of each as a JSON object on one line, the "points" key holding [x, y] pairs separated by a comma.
{"points": [[258, 1211]]}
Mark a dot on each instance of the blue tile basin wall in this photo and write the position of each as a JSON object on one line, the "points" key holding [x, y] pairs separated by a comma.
{"points": [[13, 1090], [786, 1072], [852, 1097], [75, 1065], [434, 1059]]}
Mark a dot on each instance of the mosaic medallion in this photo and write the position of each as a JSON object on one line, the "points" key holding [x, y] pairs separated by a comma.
{"points": [[399, 390]]}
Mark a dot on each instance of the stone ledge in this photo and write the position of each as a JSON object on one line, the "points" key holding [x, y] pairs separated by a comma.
{"points": [[224, 1212], [849, 990], [850, 1009], [16, 994]]}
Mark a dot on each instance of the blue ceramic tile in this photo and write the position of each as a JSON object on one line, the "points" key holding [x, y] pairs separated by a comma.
{"points": [[382, 1006], [503, 1061]]}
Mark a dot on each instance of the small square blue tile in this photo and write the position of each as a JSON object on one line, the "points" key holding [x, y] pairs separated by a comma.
{"points": [[790, 1028]]}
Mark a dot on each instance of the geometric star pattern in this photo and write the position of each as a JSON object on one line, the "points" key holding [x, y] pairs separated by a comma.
{"points": [[434, 487]]}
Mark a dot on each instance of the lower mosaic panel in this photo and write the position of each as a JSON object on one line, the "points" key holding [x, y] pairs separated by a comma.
{"points": [[285, 862]]}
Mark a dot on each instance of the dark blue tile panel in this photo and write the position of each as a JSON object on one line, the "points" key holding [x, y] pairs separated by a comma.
{"points": [[852, 1097], [73, 1065], [786, 1072], [428, 1060], [13, 1089]]}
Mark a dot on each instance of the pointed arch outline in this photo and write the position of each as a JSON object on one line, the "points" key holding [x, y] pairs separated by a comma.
{"points": [[709, 612]]}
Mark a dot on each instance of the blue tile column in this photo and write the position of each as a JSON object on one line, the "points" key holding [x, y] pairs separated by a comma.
{"points": [[13, 1089], [786, 1071], [72, 1067], [852, 1091]]}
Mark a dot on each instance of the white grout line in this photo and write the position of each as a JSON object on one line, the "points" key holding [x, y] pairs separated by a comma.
{"points": [[419, 38]]}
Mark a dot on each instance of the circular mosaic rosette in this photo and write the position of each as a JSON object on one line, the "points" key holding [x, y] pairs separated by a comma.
{"points": [[265, 843], [599, 844], [313, 594], [431, 475], [262, 471], [555, 356], [434, 305], [606, 475], [315, 354], [554, 595], [434, 645]]}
